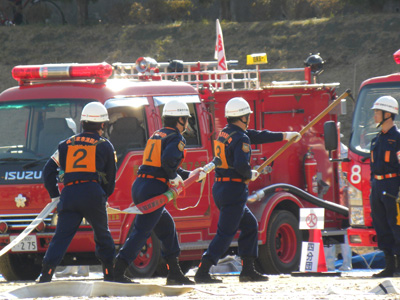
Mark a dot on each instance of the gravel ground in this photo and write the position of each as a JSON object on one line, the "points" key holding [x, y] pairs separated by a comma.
{"points": [[352, 285]]}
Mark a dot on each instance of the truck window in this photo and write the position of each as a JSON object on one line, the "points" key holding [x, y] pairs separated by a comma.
{"points": [[32, 129], [192, 134], [127, 129], [364, 127]]}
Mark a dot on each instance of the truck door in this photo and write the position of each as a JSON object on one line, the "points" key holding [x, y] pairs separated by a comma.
{"points": [[284, 112], [128, 131], [193, 205]]}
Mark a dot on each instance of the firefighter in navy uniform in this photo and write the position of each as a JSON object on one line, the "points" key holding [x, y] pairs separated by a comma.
{"points": [[162, 157], [385, 170], [230, 192], [88, 163]]}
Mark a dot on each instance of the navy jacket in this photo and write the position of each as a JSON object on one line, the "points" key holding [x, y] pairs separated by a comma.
{"points": [[385, 152], [163, 155], [85, 156], [237, 144]]}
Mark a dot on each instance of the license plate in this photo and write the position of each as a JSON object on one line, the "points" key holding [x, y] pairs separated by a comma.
{"points": [[27, 244]]}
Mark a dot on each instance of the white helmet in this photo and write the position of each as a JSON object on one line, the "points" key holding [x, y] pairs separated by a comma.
{"points": [[237, 107], [176, 108], [94, 112], [387, 103]]}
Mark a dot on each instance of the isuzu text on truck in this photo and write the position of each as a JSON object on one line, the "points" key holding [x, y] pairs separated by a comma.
{"points": [[46, 106]]}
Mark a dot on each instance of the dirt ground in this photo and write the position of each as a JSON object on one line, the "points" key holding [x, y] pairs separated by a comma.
{"points": [[350, 285]]}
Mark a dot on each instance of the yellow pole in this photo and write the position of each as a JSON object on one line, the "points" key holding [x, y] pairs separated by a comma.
{"points": [[304, 130]]}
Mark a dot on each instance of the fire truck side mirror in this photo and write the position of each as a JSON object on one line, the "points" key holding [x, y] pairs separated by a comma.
{"points": [[330, 136]]}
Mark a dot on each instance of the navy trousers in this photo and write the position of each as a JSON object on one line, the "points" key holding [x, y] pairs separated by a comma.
{"points": [[159, 221], [234, 215], [384, 214], [84, 200]]}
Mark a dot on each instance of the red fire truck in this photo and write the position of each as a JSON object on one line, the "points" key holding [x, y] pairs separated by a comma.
{"points": [[45, 108], [357, 165]]}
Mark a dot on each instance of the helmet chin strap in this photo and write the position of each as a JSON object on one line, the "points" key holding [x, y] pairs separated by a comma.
{"points": [[183, 125], [383, 119], [245, 123]]}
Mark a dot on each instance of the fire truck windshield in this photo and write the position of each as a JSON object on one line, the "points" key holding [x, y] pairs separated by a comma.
{"points": [[32, 129], [364, 128]]}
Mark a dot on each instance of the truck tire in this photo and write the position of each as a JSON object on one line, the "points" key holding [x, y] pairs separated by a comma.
{"points": [[281, 252], [15, 267], [148, 259]]}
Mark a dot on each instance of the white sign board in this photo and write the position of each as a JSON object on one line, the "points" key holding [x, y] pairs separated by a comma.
{"points": [[312, 218], [309, 257]]}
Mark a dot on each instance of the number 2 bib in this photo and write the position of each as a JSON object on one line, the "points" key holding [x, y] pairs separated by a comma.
{"points": [[81, 158]]}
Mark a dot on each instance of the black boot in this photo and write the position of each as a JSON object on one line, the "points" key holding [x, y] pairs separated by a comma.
{"points": [[119, 271], [390, 267], [175, 274], [396, 272], [47, 273], [203, 275], [108, 271], [249, 273]]}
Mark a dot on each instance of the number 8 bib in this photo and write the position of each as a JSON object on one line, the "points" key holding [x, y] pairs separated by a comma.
{"points": [[81, 158]]}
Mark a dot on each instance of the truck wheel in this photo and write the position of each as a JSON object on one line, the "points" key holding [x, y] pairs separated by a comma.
{"points": [[281, 252], [16, 267], [147, 261]]}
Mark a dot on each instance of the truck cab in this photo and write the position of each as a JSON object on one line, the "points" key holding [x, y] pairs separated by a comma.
{"points": [[361, 232], [356, 167], [41, 112]]}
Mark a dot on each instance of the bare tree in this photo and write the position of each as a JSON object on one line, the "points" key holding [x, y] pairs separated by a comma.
{"points": [[226, 8], [82, 7]]}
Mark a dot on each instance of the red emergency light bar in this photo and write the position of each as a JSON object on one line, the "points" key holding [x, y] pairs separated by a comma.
{"points": [[396, 57], [98, 72]]}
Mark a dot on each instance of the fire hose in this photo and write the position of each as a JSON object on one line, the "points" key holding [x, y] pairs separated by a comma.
{"points": [[156, 202], [258, 195]]}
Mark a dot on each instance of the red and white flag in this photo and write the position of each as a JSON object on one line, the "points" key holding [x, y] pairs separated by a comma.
{"points": [[220, 50]]}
